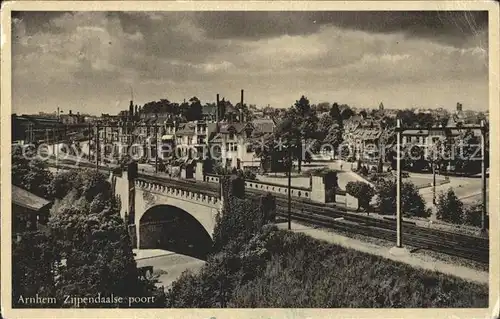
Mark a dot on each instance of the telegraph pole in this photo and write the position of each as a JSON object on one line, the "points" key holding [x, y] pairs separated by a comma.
{"points": [[399, 243], [56, 149], [289, 160], [97, 148], [483, 176], [54, 142], [156, 141], [105, 142], [90, 138]]}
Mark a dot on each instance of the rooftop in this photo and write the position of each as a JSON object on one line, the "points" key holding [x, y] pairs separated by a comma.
{"points": [[23, 198]]}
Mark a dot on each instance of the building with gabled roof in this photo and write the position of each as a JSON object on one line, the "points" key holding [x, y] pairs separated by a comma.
{"points": [[28, 210]]}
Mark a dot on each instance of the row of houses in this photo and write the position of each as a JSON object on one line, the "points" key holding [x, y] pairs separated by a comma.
{"points": [[231, 140], [366, 136]]}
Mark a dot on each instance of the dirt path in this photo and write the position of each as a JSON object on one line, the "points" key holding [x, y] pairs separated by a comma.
{"points": [[427, 262]]}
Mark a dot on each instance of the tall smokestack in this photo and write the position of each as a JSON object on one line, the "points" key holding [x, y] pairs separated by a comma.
{"points": [[131, 110], [242, 119], [217, 108]]}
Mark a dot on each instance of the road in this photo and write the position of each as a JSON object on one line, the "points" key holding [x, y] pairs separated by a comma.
{"points": [[171, 265]]}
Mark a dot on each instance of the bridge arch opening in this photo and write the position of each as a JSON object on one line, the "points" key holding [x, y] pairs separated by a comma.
{"points": [[172, 228]]}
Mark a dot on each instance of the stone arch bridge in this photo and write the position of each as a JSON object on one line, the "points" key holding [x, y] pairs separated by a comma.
{"points": [[155, 204]]}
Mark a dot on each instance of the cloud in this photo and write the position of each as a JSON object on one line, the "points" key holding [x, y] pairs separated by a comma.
{"points": [[274, 55], [451, 27]]}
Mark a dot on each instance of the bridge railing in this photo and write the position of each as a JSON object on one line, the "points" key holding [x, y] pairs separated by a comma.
{"points": [[175, 191]]}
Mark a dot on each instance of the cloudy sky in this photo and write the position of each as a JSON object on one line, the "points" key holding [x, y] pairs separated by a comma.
{"points": [[88, 61]]}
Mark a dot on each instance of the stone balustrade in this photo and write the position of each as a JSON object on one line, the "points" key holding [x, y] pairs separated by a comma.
{"points": [[278, 188], [172, 191]]}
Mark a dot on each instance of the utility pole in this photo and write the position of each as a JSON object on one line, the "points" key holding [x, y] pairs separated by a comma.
{"points": [[105, 142], [433, 181], [90, 138], [54, 142], [483, 176], [56, 149], [97, 148], [156, 155], [432, 158], [289, 160], [399, 243]]}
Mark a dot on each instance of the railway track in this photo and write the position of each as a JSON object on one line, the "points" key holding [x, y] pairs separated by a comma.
{"points": [[459, 245], [454, 244]]}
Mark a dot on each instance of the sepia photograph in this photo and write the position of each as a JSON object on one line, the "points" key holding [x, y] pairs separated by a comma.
{"points": [[249, 158]]}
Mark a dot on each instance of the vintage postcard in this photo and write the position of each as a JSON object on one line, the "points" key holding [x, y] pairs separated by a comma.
{"points": [[250, 159]]}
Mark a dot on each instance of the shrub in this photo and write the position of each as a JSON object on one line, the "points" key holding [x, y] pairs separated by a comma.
{"points": [[363, 170], [449, 207], [247, 174], [362, 191], [472, 215], [412, 203], [277, 269], [233, 185], [268, 208], [307, 273], [176, 172]]}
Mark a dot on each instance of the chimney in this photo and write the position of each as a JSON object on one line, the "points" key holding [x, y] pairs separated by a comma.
{"points": [[217, 107], [241, 107], [131, 110], [136, 111], [70, 112]]}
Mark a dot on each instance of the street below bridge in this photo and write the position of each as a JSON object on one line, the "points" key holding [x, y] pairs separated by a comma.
{"points": [[168, 265]]}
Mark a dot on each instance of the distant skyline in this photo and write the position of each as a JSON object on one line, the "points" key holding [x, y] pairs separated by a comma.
{"points": [[88, 61]]}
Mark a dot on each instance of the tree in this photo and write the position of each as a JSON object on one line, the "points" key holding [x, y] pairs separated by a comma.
{"points": [[161, 165], [195, 110], [334, 137], [268, 208], [363, 192], [239, 221], [35, 261], [412, 203], [299, 125], [85, 249], [62, 184], [324, 124], [467, 153], [30, 172], [472, 214], [347, 112], [449, 207], [305, 118], [335, 114], [407, 117]]}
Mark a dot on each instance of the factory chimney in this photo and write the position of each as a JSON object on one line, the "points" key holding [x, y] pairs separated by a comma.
{"points": [[242, 118], [131, 111]]}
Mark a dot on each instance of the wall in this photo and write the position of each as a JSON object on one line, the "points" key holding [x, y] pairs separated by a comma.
{"points": [[297, 192]]}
